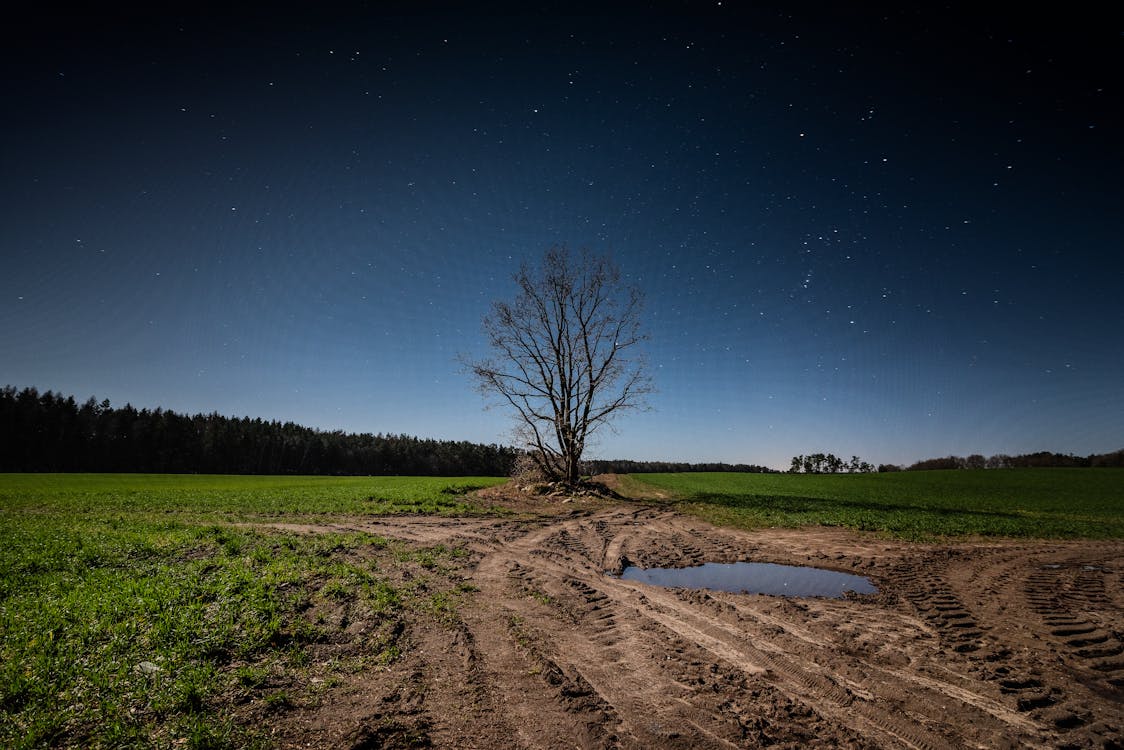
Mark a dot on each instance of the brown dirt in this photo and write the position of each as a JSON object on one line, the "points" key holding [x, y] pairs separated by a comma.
{"points": [[973, 644]]}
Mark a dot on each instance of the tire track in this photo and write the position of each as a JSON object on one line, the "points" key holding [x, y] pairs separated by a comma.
{"points": [[1067, 597], [670, 668]]}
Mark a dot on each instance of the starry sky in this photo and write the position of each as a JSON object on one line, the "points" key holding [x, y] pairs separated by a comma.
{"points": [[893, 232]]}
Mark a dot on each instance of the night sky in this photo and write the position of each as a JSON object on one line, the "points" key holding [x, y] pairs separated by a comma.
{"points": [[896, 233]]}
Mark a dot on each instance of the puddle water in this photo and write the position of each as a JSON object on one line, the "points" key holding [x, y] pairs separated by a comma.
{"points": [[755, 578]]}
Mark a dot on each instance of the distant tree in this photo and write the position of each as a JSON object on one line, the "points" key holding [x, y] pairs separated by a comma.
{"points": [[884, 468], [975, 461], [932, 464], [564, 356], [827, 463], [1114, 459]]}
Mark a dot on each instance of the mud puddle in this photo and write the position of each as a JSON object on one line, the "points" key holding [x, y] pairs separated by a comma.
{"points": [[755, 578], [968, 643]]}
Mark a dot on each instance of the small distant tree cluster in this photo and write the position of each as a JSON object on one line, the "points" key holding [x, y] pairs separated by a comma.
{"points": [[829, 463], [1041, 459]]}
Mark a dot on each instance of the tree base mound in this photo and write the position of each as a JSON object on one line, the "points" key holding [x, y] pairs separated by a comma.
{"points": [[559, 489]]}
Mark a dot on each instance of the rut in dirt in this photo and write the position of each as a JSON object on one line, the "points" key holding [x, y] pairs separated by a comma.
{"points": [[939, 658], [982, 644]]}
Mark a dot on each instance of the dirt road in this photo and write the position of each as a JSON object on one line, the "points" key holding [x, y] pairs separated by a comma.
{"points": [[975, 644]]}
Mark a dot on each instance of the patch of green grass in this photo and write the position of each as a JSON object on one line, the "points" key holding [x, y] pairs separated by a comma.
{"points": [[542, 597], [120, 635], [439, 557], [133, 612], [232, 498], [1049, 503]]}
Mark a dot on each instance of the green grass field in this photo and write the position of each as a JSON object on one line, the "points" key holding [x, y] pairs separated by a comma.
{"points": [[1050, 503], [232, 497], [132, 614], [136, 612]]}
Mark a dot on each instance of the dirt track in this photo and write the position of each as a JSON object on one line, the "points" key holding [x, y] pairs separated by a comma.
{"points": [[987, 644]]}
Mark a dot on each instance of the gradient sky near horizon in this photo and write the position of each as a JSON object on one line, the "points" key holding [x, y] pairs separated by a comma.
{"points": [[894, 233]]}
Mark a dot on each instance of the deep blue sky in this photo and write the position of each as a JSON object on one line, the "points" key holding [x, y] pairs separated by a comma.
{"points": [[895, 234]]}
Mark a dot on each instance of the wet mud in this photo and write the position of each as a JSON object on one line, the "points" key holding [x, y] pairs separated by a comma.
{"points": [[995, 644]]}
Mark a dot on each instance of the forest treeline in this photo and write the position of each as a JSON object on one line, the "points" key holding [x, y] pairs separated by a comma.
{"points": [[623, 466], [51, 432], [1041, 459], [41, 432]]}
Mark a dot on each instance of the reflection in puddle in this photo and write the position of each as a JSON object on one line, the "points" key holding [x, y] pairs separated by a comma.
{"points": [[755, 578]]}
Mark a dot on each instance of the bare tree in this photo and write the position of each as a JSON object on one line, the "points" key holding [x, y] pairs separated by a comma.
{"points": [[565, 356]]}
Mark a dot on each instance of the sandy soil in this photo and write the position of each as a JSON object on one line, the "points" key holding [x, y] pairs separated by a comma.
{"points": [[974, 644]]}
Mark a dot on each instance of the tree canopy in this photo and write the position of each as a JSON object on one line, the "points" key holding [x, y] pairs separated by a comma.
{"points": [[565, 356]]}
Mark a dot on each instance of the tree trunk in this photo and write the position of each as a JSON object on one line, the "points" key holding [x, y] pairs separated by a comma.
{"points": [[573, 465]]}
